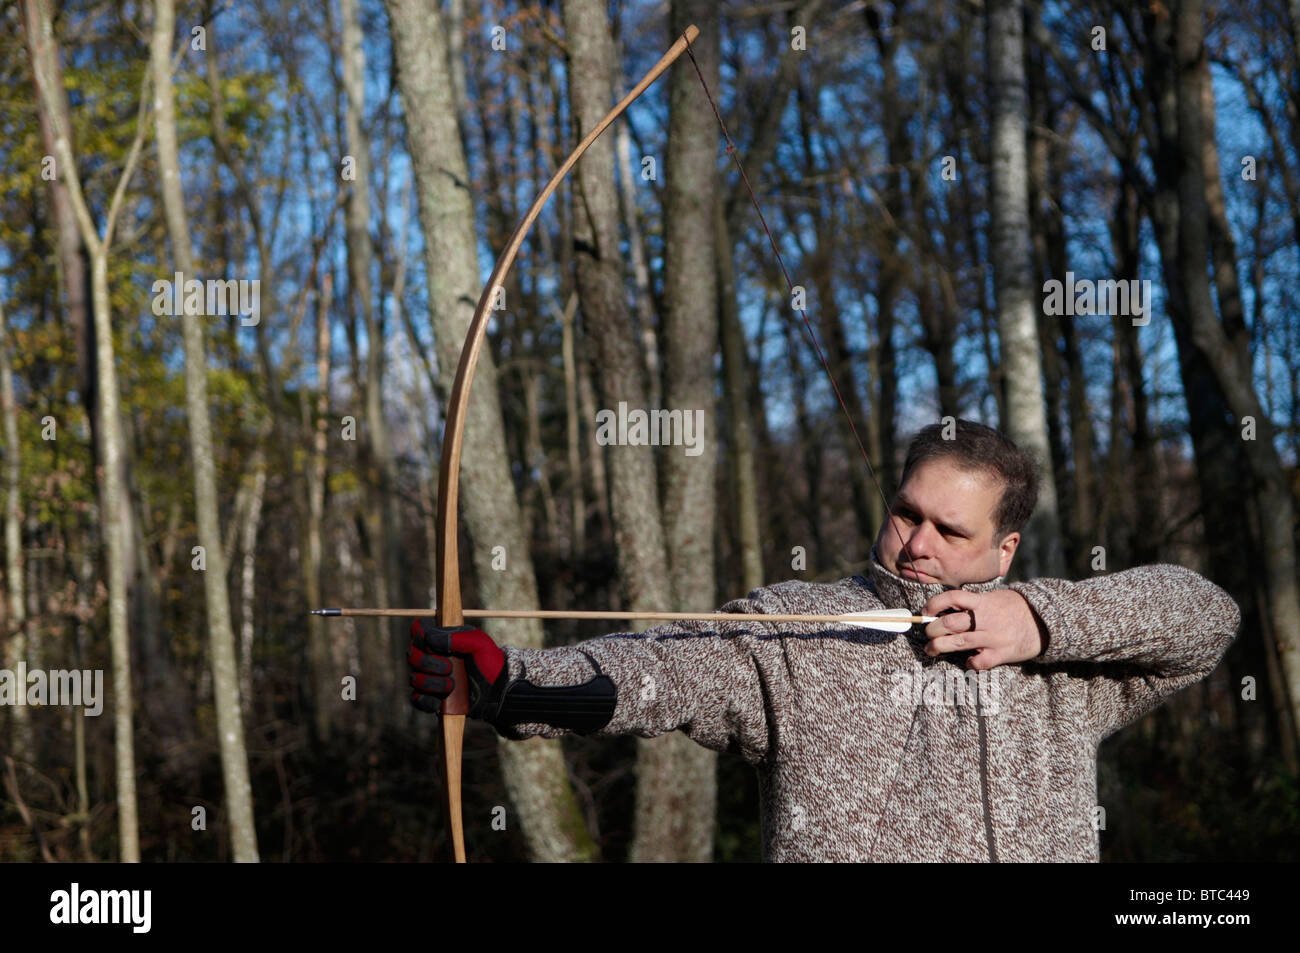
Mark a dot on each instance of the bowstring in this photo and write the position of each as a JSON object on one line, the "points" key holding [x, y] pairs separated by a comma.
{"points": [[734, 153]]}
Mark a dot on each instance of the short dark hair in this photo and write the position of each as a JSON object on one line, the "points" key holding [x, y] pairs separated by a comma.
{"points": [[977, 447]]}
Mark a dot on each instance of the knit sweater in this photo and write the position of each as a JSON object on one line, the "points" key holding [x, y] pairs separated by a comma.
{"points": [[868, 749]]}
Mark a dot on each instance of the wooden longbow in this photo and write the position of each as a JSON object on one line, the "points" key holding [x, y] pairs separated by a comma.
{"points": [[449, 610]]}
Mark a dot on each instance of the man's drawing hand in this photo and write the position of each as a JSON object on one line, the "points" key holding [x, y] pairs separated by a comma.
{"points": [[1005, 629]]}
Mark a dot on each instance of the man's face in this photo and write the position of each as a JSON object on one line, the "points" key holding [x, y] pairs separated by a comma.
{"points": [[944, 513]]}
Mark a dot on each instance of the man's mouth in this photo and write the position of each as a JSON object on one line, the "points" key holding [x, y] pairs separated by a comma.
{"points": [[916, 574]]}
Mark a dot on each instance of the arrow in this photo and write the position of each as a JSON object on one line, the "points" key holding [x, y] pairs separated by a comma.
{"points": [[882, 620]]}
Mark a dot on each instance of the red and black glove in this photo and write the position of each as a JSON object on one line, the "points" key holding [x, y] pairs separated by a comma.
{"points": [[493, 697], [430, 663]]}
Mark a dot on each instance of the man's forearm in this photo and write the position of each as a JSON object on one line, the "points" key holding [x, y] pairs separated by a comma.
{"points": [[1163, 618], [583, 708]]}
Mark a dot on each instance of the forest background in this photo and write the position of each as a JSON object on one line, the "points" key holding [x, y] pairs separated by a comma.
{"points": [[180, 489]]}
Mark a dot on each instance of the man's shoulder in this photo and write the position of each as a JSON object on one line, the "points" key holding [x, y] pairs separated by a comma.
{"points": [[852, 593]]}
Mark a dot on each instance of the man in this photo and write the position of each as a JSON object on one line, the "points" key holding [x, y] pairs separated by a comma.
{"points": [[974, 739]]}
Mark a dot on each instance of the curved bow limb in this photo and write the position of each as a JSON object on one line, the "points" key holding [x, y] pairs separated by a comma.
{"points": [[449, 610]]}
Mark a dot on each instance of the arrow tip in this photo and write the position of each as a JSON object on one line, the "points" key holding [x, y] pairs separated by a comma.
{"points": [[326, 611]]}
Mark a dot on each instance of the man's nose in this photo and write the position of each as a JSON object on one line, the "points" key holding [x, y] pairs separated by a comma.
{"points": [[921, 540]]}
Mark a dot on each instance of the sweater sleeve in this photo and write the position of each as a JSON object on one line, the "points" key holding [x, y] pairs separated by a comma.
{"points": [[1133, 637], [705, 678]]}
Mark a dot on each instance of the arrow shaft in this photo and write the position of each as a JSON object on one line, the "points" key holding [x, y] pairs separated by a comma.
{"points": [[861, 618]]}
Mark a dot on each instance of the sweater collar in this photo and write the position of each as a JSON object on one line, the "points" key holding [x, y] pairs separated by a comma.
{"points": [[898, 593]]}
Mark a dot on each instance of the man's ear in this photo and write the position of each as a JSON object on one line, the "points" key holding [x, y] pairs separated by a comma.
{"points": [[1006, 551]]}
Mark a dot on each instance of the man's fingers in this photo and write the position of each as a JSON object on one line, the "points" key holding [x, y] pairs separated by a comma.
{"points": [[432, 684], [440, 639], [958, 620], [437, 641], [950, 623], [424, 662], [959, 642], [426, 703], [951, 599], [952, 618], [985, 660]]}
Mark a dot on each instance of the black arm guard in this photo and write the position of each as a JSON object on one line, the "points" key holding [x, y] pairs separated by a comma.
{"points": [[580, 708]]}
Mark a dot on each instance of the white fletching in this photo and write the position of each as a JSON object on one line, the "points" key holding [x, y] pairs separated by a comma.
{"points": [[879, 620]]}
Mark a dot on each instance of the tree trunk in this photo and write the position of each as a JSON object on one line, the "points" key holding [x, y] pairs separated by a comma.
{"points": [[248, 577], [1047, 203], [1223, 250], [1277, 556], [324, 665], [221, 636], [1026, 421], [620, 372], [18, 631], [383, 519], [534, 773], [810, 444], [645, 312], [741, 461], [595, 453], [661, 802], [1142, 545], [52, 101], [573, 432], [894, 266], [73, 271], [685, 798]]}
